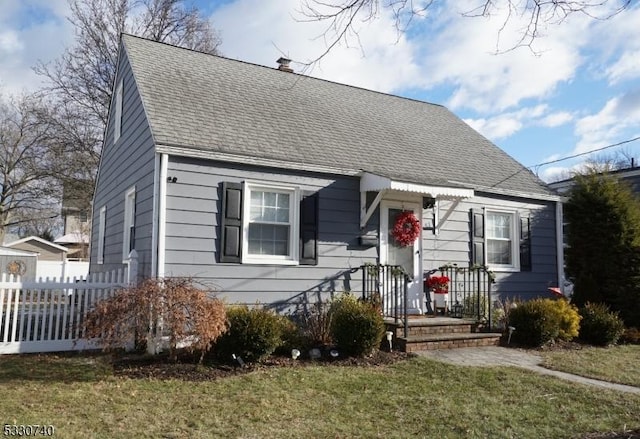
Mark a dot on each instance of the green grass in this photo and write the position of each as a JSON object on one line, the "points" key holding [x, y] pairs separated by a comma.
{"points": [[418, 398], [618, 364]]}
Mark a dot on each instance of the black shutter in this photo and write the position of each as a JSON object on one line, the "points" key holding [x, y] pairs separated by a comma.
{"points": [[231, 223], [525, 243], [477, 237], [309, 228]]}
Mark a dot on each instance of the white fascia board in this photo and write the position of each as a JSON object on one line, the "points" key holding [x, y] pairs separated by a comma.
{"points": [[518, 194], [249, 160], [5, 251]]}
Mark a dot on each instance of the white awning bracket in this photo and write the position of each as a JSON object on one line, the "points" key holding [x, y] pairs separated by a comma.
{"points": [[447, 214], [365, 213]]}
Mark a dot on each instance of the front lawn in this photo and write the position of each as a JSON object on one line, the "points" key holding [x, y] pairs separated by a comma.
{"points": [[618, 364], [82, 397]]}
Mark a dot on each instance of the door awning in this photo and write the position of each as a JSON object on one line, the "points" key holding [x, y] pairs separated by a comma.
{"points": [[378, 183]]}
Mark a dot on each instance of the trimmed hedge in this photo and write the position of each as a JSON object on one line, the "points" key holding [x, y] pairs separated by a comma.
{"points": [[356, 327], [541, 321], [253, 334], [599, 325]]}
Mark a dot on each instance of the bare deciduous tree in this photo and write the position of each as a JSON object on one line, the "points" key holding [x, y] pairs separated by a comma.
{"points": [[80, 81], [26, 185], [342, 16]]}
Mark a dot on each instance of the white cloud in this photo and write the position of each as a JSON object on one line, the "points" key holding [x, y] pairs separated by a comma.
{"points": [[506, 124], [619, 51], [497, 127], [9, 43], [28, 38], [625, 68], [618, 119], [555, 173], [557, 119], [463, 55], [255, 31]]}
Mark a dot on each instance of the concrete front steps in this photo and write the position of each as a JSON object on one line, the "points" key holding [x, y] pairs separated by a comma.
{"points": [[429, 333]]}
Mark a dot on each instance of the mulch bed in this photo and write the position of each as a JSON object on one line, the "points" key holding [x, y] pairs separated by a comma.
{"points": [[186, 368]]}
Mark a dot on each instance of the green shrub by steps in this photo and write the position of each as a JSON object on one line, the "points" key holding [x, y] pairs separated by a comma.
{"points": [[569, 319], [599, 325], [542, 321], [253, 334], [292, 337], [356, 327]]}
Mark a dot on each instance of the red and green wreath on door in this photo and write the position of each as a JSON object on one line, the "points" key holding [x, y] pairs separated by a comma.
{"points": [[406, 229]]}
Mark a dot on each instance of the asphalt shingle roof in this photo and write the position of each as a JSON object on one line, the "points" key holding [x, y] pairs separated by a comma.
{"points": [[211, 103]]}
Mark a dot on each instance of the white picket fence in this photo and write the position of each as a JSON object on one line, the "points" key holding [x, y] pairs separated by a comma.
{"points": [[47, 315]]}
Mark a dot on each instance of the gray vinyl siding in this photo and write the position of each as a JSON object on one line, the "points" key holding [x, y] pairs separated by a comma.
{"points": [[452, 244], [193, 235], [127, 163]]}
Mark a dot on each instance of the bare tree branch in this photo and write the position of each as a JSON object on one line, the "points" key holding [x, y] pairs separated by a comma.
{"points": [[342, 16], [81, 80], [27, 183]]}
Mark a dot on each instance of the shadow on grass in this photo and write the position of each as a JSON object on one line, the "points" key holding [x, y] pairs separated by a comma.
{"points": [[59, 367]]}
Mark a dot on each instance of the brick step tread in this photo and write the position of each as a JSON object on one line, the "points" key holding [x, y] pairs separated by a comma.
{"points": [[450, 336]]}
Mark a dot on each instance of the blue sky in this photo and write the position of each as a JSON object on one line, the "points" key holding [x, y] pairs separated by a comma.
{"points": [[579, 89]]}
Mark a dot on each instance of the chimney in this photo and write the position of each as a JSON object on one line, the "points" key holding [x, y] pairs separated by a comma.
{"points": [[283, 64]]}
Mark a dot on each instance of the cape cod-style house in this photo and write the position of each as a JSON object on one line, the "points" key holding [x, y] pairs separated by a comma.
{"points": [[276, 188]]}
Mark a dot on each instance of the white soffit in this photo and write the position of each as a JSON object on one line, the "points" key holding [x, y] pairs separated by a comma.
{"points": [[377, 183]]}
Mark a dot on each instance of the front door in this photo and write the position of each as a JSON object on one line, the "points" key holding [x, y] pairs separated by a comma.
{"points": [[392, 253]]}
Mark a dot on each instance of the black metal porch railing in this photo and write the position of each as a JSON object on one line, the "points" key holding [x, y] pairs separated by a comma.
{"points": [[469, 291], [387, 287]]}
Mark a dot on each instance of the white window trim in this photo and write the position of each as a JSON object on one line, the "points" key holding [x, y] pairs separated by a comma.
{"points": [[102, 216], [515, 241], [294, 229], [129, 221], [117, 130]]}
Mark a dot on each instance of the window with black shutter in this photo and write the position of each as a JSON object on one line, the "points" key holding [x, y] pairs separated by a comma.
{"points": [[268, 224]]}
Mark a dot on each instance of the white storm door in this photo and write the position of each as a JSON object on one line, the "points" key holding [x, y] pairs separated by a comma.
{"points": [[392, 253]]}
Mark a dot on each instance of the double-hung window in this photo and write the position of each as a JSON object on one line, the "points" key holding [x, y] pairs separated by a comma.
{"points": [[502, 240], [117, 123], [270, 224], [128, 241], [102, 216]]}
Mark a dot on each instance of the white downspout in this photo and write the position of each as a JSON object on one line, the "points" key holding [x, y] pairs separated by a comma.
{"points": [[154, 228], [162, 214], [560, 245]]}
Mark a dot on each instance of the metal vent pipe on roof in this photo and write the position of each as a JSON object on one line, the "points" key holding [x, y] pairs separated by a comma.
{"points": [[283, 64]]}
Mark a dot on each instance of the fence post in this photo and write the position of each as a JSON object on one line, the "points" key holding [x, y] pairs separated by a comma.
{"points": [[132, 268]]}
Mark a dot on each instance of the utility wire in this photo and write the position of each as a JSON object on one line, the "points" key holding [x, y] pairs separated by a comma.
{"points": [[583, 153]]}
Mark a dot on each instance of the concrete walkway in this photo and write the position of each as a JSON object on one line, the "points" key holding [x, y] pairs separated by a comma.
{"points": [[499, 356]]}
